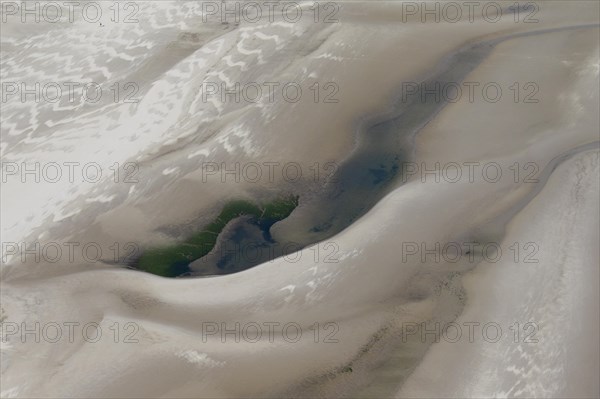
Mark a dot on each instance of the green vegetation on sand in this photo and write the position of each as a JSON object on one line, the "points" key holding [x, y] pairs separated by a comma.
{"points": [[174, 260]]}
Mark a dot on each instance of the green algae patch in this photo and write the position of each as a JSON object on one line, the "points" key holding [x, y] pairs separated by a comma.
{"points": [[174, 260]]}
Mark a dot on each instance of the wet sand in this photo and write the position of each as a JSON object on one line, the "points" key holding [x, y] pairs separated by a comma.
{"points": [[369, 292]]}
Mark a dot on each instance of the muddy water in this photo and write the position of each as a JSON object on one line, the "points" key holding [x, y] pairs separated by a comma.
{"points": [[370, 172], [366, 176]]}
